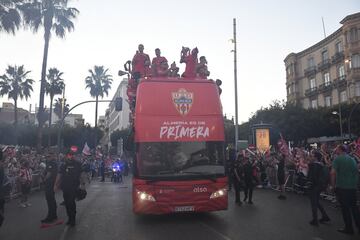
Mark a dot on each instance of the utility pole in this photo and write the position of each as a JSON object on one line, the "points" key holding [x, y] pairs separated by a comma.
{"points": [[235, 84]]}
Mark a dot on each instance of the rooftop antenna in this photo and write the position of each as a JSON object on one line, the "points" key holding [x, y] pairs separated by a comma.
{"points": [[323, 26]]}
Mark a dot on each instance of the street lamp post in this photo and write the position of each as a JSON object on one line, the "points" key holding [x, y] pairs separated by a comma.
{"points": [[349, 121], [235, 85], [340, 120]]}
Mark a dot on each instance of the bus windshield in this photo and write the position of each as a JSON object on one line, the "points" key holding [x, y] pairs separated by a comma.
{"points": [[180, 158]]}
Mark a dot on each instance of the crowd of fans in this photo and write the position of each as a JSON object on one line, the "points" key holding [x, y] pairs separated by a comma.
{"points": [[24, 169], [265, 165]]}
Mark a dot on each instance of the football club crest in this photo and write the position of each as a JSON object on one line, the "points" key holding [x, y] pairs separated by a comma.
{"points": [[183, 101]]}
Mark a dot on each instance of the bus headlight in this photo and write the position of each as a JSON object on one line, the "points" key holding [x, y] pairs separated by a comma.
{"points": [[219, 193], [143, 196]]}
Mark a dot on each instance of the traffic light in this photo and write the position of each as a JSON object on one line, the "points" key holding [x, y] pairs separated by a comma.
{"points": [[118, 104]]}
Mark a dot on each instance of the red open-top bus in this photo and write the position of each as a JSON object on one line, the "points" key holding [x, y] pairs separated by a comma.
{"points": [[179, 137]]}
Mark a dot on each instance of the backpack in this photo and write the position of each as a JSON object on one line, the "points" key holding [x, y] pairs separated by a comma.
{"points": [[324, 177]]}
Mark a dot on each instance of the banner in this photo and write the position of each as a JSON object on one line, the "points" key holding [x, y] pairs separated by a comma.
{"points": [[174, 129], [262, 139]]}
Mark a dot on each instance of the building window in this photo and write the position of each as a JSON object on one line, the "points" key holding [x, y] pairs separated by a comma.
{"points": [[355, 61], [311, 62], [314, 103], [324, 56], [341, 71], [312, 83], [343, 97], [327, 79], [353, 35], [327, 101], [338, 47], [289, 70], [289, 90], [357, 89]]}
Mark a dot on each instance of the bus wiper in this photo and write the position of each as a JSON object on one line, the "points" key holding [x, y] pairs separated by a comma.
{"points": [[208, 175]]}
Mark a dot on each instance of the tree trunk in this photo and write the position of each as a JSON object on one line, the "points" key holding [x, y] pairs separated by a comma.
{"points": [[15, 121], [42, 89], [96, 110], [96, 113], [15, 113], [50, 117]]}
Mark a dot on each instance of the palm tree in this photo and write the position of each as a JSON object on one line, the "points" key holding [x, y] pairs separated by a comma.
{"points": [[53, 15], [10, 17], [16, 84], [54, 86], [99, 82], [58, 108]]}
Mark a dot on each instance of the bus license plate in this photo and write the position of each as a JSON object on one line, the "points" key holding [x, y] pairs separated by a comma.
{"points": [[184, 209]]}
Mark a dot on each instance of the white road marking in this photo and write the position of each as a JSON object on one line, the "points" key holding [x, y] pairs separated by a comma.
{"points": [[63, 235], [215, 231]]}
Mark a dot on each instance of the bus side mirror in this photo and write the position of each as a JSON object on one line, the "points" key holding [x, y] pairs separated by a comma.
{"points": [[118, 104]]}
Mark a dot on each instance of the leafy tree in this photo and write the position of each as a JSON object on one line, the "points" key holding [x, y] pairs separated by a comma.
{"points": [[79, 135], [52, 15], [16, 85], [229, 129], [116, 135], [10, 17], [99, 82], [298, 124], [27, 133]]}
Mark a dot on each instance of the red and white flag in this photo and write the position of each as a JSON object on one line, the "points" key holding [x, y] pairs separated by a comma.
{"points": [[98, 154], [357, 148], [283, 147], [86, 150]]}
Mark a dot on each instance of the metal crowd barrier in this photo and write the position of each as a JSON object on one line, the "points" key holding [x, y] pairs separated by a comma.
{"points": [[15, 191]]}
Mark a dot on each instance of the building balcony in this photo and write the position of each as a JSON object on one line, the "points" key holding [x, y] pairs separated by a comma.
{"points": [[353, 45], [338, 57], [354, 73], [325, 87], [311, 92], [310, 71], [340, 82], [293, 95], [324, 65]]}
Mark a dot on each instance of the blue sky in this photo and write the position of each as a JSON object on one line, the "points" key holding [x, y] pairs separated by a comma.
{"points": [[107, 33]]}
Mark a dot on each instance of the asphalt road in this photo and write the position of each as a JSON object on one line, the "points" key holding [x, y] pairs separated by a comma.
{"points": [[106, 213]]}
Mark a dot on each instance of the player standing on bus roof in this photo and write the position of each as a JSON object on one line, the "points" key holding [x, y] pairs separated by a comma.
{"points": [[157, 61], [140, 61]]}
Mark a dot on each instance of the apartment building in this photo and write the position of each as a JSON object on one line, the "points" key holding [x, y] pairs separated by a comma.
{"points": [[116, 120], [329, 71]]}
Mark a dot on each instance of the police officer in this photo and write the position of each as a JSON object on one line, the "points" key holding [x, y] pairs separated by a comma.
{"points": [[68, 179], [238, 179], [102, 170], [49, 182], [248, 168]]}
